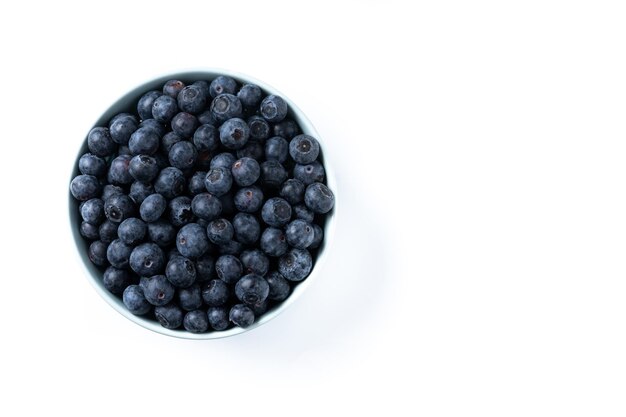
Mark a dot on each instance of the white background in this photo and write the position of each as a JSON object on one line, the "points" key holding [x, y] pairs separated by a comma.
{"points": [[479, 261]]}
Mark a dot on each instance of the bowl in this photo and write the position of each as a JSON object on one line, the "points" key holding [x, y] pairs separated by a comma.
{"points": [[127, 103]]}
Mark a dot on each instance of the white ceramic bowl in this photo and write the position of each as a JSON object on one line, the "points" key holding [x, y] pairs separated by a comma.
{"points": [[128, 103]]}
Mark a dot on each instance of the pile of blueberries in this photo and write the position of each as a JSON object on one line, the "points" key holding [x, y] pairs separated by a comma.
{"points": [[205, 207]]}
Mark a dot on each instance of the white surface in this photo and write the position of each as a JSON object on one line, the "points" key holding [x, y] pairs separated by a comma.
{"points": [[478, 267]]}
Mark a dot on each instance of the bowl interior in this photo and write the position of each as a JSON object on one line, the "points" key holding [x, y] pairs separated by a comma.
{"points": [[128, 103]]}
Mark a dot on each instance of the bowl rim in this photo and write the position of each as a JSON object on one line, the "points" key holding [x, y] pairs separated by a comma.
{"points": [[94, 275]]}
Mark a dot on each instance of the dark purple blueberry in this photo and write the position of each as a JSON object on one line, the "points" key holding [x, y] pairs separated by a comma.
{"points": [[259, 128], [158, 290], [119, 207], [247, 228], [180, 271], [304, 149], [122, 128], [279, 286], [215, 293], [273, 174], [228, 268], [156, 127], [173, 87], [218, 181], [108, 231], [184, 124], [204, 87], [223, 160], [135, 301], [196, 321], [85, 187], [119, 171], [183, 155], [207, 118], [250, 95], [168, 140], [273, 108], [221, 85], [92, 211], [90, 164], [170, 182], [110, 190], [274, 242], [195, 185], [143, 168], [100, 143], [276, 212], [144, 106], [310, 173], [295, 265], [164, 109], [89, 231], [161, 233], [226, 106], [116, 280], [253, 149], [192, 99], [118, 254], [152, 208], [132, 231], [220, 231], [205, 138], [249, 199], [317, 238], [147, 260], [139, 191], [234, 133], [300, 211], [254, 261], [277, 149], [218, 318], [252, 289], [144, 141], [293, 191], [205, 268], [300, 234], [319, 198], [241, 315], [206, 206], [179, 211], [98, 253], [192, 241], [286, 129], [169, 316], [246, 171], [190, 298]]}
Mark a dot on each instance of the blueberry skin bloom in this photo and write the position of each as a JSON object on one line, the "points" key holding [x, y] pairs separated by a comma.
{"points": [[276, 149], [205, 268], [228, 268], [90, 164], [119, 207], [249, 199], [223, 160], [181, 272], [273, 174], [279, 286], [273, 108], [192, 99], [286, 129], [168, 140], [222, 85], [293, 191], [234, 133], [162, 233], [158, 290], [241, 315], [135, 301], [184, 124], [122, 128], [118, 254], [218, 181], [300, 234], [206, 206], [170, 182], [319, 198], [220, 231], [92, 211], [318, 237], [190, 298], [98, 253], [152, 208], [304, 149], [302, 212], [180, 211], [100, 143], [276, 212], [250, 95], [196, 321], [218, 318], [153, 125], [144, 106], [246, 171], [274, 242], [247, 228], [205, 138], [296, 264], [116, 280], [169, 316], [89, 231], [143, 168], [144, 141], [192, 241], [147, 259], [226, 106], [255, 262], [164, 109], [252, 289], [195, 185], [173, 87], [308, 174], [85, 187], [259, 128], [132, 231], [108, 231], [215, 293], [119, 171]]}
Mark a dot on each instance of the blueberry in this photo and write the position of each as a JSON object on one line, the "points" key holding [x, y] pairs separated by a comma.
{"points": [[276, 212], [249, 199], [144, 141], [180, 271], [147, 259], [168, 140], [92, 211], [250, 95], [234, 133], [279, 286], [277, 149], [144, 106], [90, 164], [162, 233], [253, 149], [170, 182], [132, 231], [317, 238], [192, 241], [184, 124], [89, 231], [304, 149], [108, 231], [190, 298], [180, 211], [254, 261], [164, 109], [173, 87], [310, 173], [192, 99], [143, 168], [218, 318], [241, 315], [156, 127], [274, 242], [246, 171], [319, 198], [204, 87], [135, 301], [207, 118], [118, 254], [85, 187], [230, 248], [259, 308], [110, 190], [158, 290], [228, 268], [205, 268], [286, 129], [293, 191], [221, 85], [300, 234], [152, 207], [225, 106], [119, 207], [195, 185], [220, 231], [98, 253], [295, 265], [139, 191], [183, 155], [273, 108], [223, 160], [218, 181], [259, 128], [206, 206], [100, 143], [119, 171], [300, 211], [205, 138], [169, 316], [196, 321], [122, 128], [247, 228], [215, 293], [273, 174], [124, 150], [116, 280], [252, 289]]}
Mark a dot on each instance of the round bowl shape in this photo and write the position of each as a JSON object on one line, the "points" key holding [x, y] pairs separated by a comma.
{"points": [[127, 103]]}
